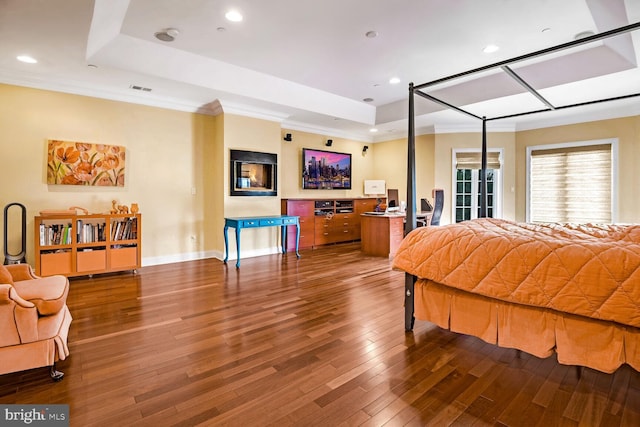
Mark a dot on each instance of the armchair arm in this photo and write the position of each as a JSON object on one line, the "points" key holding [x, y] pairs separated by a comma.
{"points": [[25, 314], [21, 272], [8, 294]]}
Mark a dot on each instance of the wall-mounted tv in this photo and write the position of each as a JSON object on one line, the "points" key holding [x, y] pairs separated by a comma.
{"points": [[325, 170]]}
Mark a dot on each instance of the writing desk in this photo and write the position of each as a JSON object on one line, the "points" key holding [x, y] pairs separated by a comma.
{"points": [[381, 233], [239, 223]]}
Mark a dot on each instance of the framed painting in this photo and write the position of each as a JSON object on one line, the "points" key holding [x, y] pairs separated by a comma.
{"points": [[84, 163]]}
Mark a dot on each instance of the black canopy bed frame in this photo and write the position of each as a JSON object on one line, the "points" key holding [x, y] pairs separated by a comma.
{"points": [[419, 90]]}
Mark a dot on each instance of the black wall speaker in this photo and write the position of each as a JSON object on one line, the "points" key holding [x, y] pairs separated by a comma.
{"points": [[329, 142], [287, 137]]}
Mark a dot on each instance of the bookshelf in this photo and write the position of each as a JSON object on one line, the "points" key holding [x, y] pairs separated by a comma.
{"points": [[79, 245]]}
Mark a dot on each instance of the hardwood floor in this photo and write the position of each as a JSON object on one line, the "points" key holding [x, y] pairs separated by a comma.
{"points": [[318, 341]]}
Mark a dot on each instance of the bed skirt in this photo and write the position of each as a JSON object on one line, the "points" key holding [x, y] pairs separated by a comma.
{"points": [[577, 340]]}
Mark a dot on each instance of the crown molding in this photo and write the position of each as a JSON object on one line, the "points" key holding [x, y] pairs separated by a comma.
{"points": [[96, 92], [229, 107]]}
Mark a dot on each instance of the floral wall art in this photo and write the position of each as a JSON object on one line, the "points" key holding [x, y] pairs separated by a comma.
{"points": [[83, 163]]}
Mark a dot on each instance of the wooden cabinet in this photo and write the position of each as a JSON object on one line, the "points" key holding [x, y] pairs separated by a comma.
{"points": [[304, 210], [382, 234], [326, 221], [76, 245]]}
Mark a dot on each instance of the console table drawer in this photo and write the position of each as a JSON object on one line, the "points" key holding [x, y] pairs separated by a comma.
{"points": [[249, 223], [274, 221]]}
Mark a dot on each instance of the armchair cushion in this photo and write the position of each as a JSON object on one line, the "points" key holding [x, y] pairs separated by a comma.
{"points": [[5, 277], [20, 272], [49, 294]]}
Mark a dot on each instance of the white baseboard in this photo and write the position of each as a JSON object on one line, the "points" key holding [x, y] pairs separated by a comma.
{"points": [[192, 256]]}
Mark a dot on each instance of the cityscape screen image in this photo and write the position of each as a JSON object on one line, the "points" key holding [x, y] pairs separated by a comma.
{"points": [[325, 170]]}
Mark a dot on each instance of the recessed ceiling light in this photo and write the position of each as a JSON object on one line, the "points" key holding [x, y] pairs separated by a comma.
{"points": [[371, 34], [233, 16], [373, 130], [26, 58], [368, 99], [394, 80], [167, 35], [490, 48]]}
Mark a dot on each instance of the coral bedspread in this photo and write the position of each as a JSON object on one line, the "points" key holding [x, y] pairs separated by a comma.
{"points": [[587, 270]]}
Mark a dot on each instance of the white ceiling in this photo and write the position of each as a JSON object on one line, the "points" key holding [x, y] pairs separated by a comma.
{"points": [[309, 64]]}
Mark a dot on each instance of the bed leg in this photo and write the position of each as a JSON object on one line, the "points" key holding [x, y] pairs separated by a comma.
{"points": [[409, 319]]}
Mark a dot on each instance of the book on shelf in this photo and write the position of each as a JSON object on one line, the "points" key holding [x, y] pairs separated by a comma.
{"points": [[55, 234], [124, 229], [90, 232]]}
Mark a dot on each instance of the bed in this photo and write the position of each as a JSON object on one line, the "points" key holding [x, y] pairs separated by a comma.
{"points": [[540, 288]]}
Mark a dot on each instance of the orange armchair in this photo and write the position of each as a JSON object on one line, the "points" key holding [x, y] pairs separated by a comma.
{"points": [[34, 320]]}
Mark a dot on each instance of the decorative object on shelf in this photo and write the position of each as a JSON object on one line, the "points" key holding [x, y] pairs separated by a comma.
{"points": [[114, 207], [123, 209], [84, 163], [134, 208]]}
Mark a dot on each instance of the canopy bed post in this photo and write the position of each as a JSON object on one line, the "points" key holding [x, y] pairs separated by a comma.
{"points": [[411, 167], [409, 280], [483, 171]]}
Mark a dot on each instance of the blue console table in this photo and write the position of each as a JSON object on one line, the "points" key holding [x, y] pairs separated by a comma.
{"points": [[239, 223]]}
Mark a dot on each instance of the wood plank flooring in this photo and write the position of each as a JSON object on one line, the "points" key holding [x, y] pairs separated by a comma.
{"points": [[318, 341]]}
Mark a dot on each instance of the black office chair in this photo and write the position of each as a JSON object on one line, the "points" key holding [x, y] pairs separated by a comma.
{"points": [[438, 202]]}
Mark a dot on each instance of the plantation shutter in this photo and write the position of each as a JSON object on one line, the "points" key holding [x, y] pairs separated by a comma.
{"points": [[473, 160], [571, 184]]}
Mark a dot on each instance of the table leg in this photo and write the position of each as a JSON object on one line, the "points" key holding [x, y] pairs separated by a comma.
{"points": [[226, 244], [297, 239], [283, 237], [238, 246]]}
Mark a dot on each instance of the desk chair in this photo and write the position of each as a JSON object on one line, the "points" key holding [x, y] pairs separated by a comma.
{"points": [[438, 201]]}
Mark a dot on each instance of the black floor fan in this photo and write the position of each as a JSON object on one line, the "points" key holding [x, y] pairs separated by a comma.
{"points": [[20, 257]]}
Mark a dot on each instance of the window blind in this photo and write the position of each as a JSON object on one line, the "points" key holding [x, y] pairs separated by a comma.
{"points": [[571, 184], [473, 160]]}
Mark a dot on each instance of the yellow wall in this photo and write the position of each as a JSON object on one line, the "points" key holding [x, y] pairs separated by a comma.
{"points": [[362, 164], [626, 129], [391, 163], [245, 133], [165, 165], [178, 167]]}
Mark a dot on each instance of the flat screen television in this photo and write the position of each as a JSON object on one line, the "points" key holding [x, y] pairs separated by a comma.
{"points": [[325, 170]]}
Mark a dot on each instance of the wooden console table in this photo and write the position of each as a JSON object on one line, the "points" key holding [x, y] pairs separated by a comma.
{"points": [[282, 221]]}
